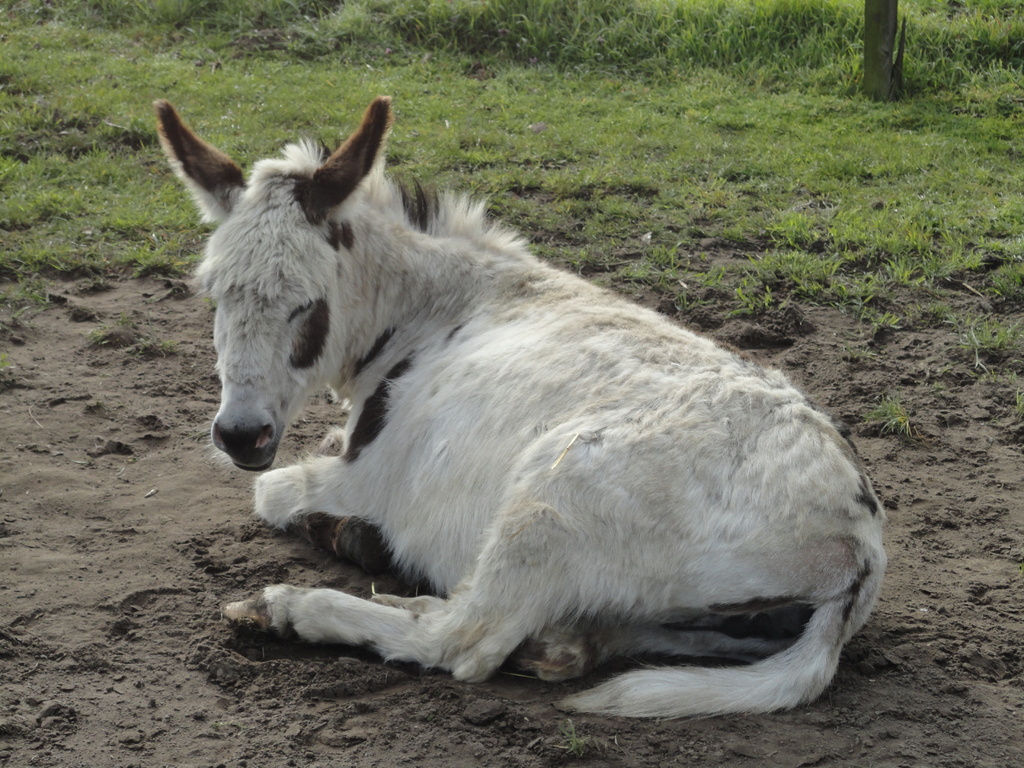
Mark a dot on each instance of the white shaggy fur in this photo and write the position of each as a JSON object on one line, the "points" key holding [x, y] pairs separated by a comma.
{"points": [[564, 468]]}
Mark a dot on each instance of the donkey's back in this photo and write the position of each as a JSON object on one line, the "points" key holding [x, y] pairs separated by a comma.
{"points": [[576, 477]]}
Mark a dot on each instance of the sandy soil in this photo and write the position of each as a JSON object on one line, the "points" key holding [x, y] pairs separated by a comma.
{"points": [[121, 536]]}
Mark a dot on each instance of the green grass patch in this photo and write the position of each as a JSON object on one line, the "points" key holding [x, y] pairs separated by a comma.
{"points": [[573, 744], [124, 333], [991, 340], [714, 152], [891, 418]]}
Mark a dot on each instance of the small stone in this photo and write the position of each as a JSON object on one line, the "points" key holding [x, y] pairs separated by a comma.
{"points": [[750, 751], [111, 447], [132, 737], [13, 727], [344, 738], [482, 712], [54, 709]]}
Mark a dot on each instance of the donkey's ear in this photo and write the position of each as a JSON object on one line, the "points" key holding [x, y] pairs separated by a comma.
{"points": [[335, 180], [213, 178]]}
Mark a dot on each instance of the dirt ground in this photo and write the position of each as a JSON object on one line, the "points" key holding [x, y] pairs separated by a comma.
{"points": [[122, 535]]}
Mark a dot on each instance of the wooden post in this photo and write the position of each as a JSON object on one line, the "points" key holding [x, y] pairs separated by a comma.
{"points": [[883, 79]]}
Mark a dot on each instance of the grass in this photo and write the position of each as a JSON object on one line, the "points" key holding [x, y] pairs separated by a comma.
{"points": [[574, 744], [762, 40], [124, 333], [714, 152], [5, 371], [990, 339], [892, 418]]}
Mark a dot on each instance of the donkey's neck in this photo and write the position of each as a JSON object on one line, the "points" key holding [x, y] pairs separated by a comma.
{"points": [[408, 289]]}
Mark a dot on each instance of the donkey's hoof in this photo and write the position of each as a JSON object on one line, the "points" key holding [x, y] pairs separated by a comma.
{"points": [[254, 613], [334, 443], [555, 656], [279, 495], [348, 538]]}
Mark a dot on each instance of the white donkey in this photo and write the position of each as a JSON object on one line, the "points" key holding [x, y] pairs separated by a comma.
{"points": [[575, 476]]}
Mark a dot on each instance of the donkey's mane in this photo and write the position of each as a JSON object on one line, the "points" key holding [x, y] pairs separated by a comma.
{"points": [[421, 204], [424, 208], [439, 213]]}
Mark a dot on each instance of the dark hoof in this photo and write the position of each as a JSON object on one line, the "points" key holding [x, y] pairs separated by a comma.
{"points": [[348, 538]]}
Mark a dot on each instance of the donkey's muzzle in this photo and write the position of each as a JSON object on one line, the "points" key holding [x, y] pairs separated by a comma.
{"points": [[250, 448]]}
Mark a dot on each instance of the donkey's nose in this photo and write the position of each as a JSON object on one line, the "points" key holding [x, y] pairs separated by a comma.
{"points": [[243, 444]]}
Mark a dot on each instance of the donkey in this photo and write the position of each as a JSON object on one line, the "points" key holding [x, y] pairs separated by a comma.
{"points": [[575, 477]]}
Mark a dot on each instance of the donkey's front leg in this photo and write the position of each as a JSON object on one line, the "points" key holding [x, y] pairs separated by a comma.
{"points": [[330, 616], [509, 597], [445, 637], [283, 495], [307, 499]]}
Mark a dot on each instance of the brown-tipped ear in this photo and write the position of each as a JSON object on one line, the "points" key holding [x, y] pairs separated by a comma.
{"points": [[213, 178], [335, 180]]}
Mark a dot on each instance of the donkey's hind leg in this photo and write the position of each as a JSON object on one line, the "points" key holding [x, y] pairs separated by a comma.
{"points": [[562, 653], [521, 586]]}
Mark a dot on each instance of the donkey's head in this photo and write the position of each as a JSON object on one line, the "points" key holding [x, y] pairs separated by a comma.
{"points": [[273, 269]]}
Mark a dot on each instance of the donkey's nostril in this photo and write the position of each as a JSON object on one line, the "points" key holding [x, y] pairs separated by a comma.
{"points": [[241, 442], [217, 439], [265, 436]]}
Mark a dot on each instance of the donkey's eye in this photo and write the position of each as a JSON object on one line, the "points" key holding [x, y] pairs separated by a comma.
{"points": [[299, 310]]}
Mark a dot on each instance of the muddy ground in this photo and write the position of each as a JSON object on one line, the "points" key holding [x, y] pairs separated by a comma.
{"points": [[122, 535]]}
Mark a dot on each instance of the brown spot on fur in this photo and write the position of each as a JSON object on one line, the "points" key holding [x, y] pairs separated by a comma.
{"points": [[340, 235], [373, 417], [756, 605], [866, 496], [854, 591], [467, 636], [309, 344], [348, 236], [372, 352]]}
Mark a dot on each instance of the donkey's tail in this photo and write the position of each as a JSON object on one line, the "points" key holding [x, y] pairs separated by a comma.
{"points": [[791, 677]]}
